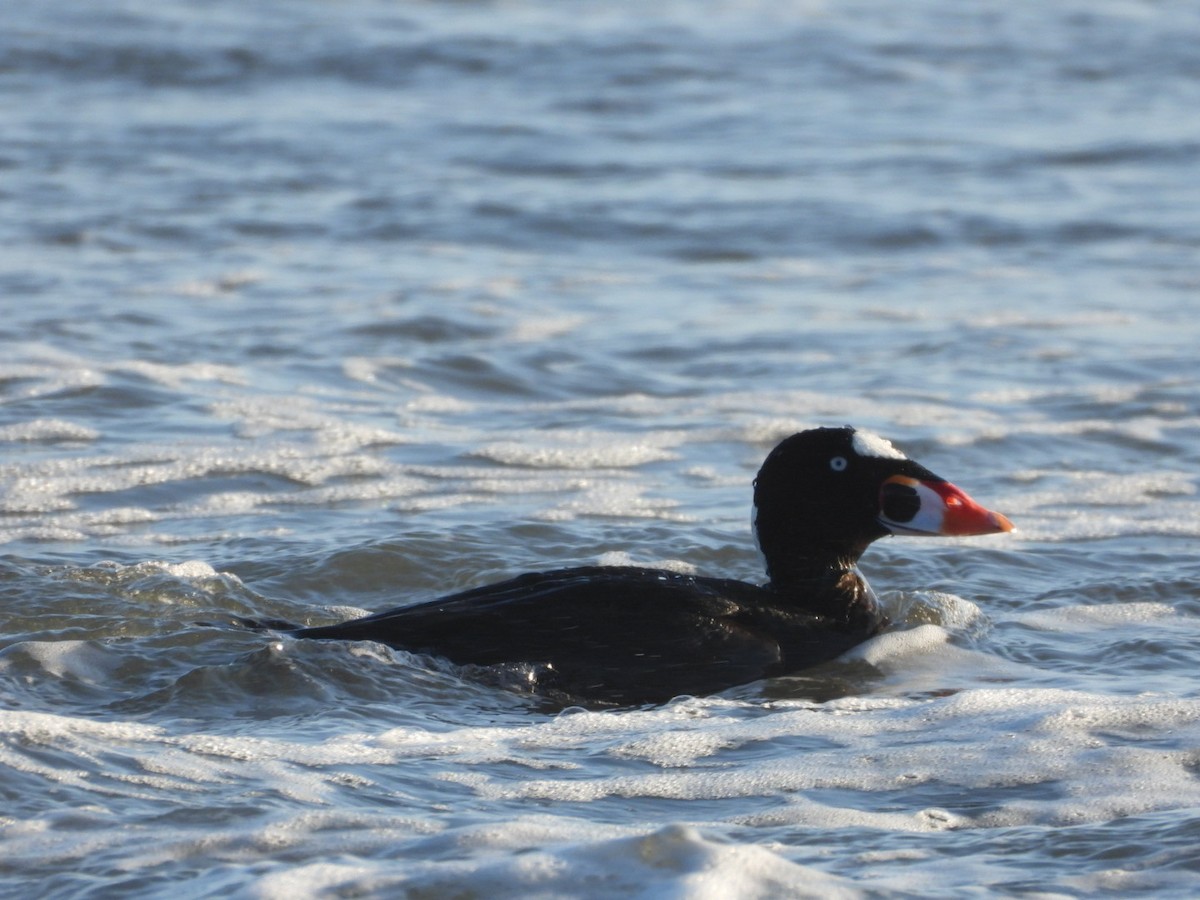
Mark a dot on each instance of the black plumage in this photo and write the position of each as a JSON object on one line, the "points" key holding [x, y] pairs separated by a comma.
{"points": [[628, 635]]}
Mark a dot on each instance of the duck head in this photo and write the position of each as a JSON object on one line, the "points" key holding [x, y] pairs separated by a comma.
{"points": [[822, 496]]}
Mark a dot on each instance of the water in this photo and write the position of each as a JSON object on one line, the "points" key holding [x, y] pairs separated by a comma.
{"points": [[311, 309]]}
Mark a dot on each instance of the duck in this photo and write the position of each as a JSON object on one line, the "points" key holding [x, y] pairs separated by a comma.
{"points": [[630, 635]]}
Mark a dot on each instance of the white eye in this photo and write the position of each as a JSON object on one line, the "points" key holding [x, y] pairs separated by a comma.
{"points": [[838, 464]]}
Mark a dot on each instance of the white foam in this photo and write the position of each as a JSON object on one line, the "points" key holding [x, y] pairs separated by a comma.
{"points": [[934, 607], [259, 417], [212, 287], [801, 811], [1154, 428], [1052, 320], [675, 860], [892, 644], [176, 374], [440, 403], [1042, 757], [613, 499], [48, 431], [584, 450], [46, 371], [984, 738], [48, 728], [547, 327], [82, 661], [1073, 619], [108, 572], [1073, 505], [368, 369], [193, 568]]}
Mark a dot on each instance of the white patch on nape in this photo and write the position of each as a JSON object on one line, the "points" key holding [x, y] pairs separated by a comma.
{"points": [[754, 529], [868, 444]]}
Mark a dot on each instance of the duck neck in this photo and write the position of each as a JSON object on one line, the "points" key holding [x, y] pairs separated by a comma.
{"points": [[819, 562], [829, 585]]}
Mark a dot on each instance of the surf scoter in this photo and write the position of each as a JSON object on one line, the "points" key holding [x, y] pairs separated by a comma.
{"points": [[628, 635]]}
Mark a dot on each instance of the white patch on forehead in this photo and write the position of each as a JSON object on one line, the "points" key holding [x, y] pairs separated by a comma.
{"points": [[868, 444]]}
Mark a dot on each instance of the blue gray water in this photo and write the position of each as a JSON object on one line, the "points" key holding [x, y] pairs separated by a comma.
{"points": [[315, 308]]}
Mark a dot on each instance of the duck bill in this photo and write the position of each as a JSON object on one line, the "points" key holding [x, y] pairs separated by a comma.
{"points": [[936, 508]]}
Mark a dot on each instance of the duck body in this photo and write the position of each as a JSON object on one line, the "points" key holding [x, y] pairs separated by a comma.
{"points": [[627, 635], [622, 635]]}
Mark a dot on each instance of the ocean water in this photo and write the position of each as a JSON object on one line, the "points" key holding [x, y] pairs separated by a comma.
{"points": [[319, 308]]}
